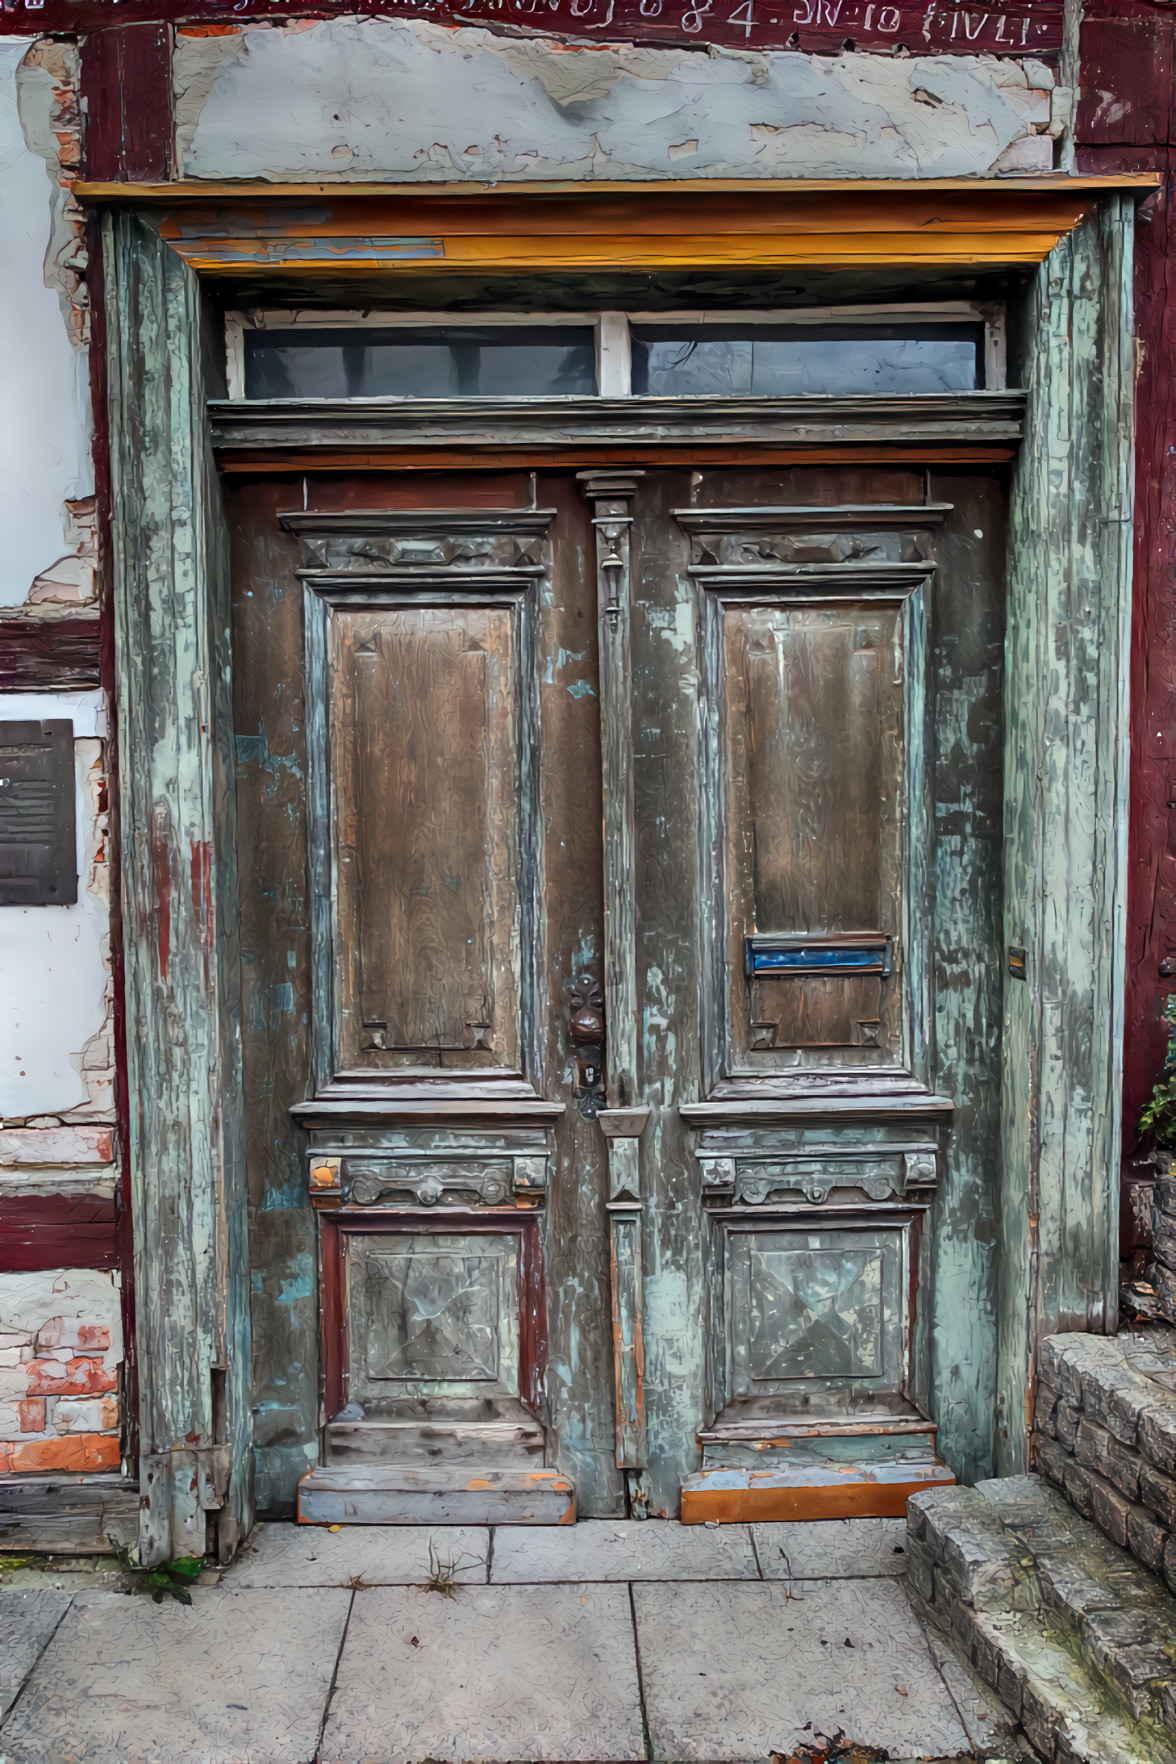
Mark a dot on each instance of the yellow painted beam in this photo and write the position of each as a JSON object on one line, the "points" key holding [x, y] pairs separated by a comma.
{"points": [[212, 257]]}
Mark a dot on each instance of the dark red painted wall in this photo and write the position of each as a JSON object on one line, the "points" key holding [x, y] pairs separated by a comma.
{"points": [[928, 27], [1125, 123]]}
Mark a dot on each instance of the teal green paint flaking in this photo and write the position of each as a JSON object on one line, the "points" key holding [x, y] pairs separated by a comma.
{"points": [[1065, 806], [179, 890], [967, 658]]}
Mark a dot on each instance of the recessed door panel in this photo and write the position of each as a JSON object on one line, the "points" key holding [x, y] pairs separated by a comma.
{"points": [[432, 1316], [424, 761], [814, 787], [817, 1309]]}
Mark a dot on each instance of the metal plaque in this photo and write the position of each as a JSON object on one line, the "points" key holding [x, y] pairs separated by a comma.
{"points": [[38, 820]]}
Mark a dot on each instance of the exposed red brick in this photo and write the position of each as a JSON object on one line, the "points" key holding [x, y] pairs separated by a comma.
{"points": [[82, 1451], [32, 1414], [79, 1377]]}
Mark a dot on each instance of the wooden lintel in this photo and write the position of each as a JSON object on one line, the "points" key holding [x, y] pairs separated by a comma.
{"points": [[275, 463], [395, 231]]}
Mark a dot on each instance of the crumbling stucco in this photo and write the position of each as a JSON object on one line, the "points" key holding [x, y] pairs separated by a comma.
{"points": [[47, 79], [44, 386], [70, 582], [356, 99]]}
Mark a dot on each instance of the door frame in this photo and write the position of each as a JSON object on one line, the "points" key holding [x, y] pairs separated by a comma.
{"points": [[1066, 685]]}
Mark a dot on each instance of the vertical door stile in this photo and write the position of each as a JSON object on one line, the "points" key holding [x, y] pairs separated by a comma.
{"points": [[622, 1121]]}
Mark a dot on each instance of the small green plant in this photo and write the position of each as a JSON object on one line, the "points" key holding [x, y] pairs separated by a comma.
{"points": [[1159, 1115], [169, 1581]]}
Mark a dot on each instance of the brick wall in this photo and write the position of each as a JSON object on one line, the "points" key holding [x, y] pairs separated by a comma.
{"points": [[60, 1371]]}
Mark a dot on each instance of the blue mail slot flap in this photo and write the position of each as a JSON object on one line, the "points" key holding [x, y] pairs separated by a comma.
{"points": [[783, 955]]}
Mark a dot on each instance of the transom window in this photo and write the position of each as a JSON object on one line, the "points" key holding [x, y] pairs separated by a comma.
{"points": [[954, 347]]}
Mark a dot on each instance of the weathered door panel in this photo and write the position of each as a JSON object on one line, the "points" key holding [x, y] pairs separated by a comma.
{"points": [[424, 741], [806, 704], [430, 810], [813, 818]]}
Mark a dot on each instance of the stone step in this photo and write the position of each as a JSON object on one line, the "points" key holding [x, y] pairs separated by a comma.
{"points": [[1066, 1627], [1105, 1434], [436, 1494]]}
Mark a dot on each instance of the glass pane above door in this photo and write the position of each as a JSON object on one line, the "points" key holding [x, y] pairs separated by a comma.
{"points": [[417, 362], [776, 360]]}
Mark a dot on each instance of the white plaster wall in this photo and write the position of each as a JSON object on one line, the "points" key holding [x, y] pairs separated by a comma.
{"points": [[52, 970], [44, 384], [381, 98]]}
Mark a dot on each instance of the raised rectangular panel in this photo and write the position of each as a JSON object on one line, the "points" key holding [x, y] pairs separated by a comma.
{"points": [[424, 761], [817, 1309], [813, 778], [432, 1315]]}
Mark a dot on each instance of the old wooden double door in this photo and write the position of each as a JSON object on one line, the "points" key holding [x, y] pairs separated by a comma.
{"points": [[619, 867]]}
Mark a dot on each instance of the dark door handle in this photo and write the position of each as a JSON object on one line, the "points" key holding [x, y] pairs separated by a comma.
{"points": [[586, 1032]]}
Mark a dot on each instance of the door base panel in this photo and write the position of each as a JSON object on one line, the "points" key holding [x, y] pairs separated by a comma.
{"points": [[508, 1445], [412, 1494], [814, 1490]]}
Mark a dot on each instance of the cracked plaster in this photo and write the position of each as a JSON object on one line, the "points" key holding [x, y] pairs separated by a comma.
{"points": [[363, 99]]}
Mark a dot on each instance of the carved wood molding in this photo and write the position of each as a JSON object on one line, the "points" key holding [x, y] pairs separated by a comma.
{"points": [[867, 516], [492, 424]]}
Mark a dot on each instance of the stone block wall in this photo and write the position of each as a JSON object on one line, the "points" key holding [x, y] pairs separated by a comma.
{"points": [[1069, 1632], [1105, 1434], [1163, 1236], [60, 1372]]}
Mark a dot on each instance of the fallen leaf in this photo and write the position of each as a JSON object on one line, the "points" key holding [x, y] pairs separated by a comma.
{"points": [[334, 1528]]}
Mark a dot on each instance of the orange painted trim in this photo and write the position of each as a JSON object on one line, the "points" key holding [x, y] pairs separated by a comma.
{"points": [[86, 1452], [218, 190], [847, 1500], [269, 463], [750, 251]]}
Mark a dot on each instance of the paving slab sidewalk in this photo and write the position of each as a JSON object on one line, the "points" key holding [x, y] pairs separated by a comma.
{"points": [[234, 1678], [603, 1643]]}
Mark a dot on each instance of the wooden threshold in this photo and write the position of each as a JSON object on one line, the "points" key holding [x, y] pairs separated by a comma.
{"points": [[809, 1491], [411, 1494]]}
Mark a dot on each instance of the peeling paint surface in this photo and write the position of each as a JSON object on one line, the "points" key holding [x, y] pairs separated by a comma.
{"points": [[56, 1058], [44, 387], [417, 102]]}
